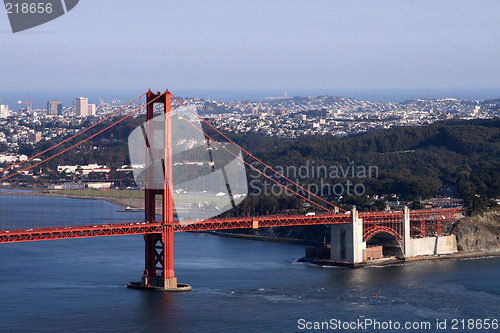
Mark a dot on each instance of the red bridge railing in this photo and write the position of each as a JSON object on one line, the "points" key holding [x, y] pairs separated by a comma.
{"points": [[103, 230]]}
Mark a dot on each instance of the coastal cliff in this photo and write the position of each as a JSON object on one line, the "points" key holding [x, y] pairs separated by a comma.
{"points": [[479, 233]]}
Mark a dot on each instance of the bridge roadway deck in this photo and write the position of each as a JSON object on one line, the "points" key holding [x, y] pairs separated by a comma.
{"points": [[134, 228]]}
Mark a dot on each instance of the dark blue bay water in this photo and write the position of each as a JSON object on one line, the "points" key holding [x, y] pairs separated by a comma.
{"points": [[238, 286], [28, 211]]}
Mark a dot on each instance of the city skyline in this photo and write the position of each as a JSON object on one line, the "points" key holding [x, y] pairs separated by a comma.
{"points": [[257, 45]]}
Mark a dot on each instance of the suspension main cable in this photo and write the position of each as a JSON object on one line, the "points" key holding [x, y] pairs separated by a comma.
{"points": [[249, 154], [251, 166]]}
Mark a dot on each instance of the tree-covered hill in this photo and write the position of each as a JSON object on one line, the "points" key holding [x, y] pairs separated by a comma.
{"points": [[413, 162]]}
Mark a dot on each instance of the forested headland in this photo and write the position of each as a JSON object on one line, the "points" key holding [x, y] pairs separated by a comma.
{"points": [[412, 162]]}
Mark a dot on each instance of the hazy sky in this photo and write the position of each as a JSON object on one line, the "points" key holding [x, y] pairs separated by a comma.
{"points": [[215, 44]]}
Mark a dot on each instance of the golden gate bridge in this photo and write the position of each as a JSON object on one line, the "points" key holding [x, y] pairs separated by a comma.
{"points": [[159, 234]]}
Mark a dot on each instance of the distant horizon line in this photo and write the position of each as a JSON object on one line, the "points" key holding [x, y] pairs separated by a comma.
{"points": [[250, 89], [383, 95]]}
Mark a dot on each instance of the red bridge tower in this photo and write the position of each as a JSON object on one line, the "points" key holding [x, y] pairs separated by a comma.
{"points": [[159, 247]]}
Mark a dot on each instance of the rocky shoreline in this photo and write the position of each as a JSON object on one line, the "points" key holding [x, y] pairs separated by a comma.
{"points": [[479, 233]]}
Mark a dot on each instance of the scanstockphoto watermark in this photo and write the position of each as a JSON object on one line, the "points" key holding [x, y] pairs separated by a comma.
{"points": [[311, 179], [371, 324]]}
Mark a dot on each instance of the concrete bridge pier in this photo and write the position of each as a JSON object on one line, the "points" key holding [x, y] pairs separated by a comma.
{"points": [[347, 240], [406, 232]]}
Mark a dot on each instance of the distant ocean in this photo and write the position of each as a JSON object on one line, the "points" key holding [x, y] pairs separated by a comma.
{"points": [[40, 98]]}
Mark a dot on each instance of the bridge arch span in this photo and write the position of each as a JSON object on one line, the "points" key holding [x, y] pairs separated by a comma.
{"points": [[381, 236], [376, 229]]}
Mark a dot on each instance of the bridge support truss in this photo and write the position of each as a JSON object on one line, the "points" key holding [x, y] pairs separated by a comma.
{"points": [[415, 233]]}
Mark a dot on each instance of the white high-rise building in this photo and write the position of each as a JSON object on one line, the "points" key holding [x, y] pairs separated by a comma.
{"points": [[4, 111], [82, 106], [54, 108], [92, 109]]}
